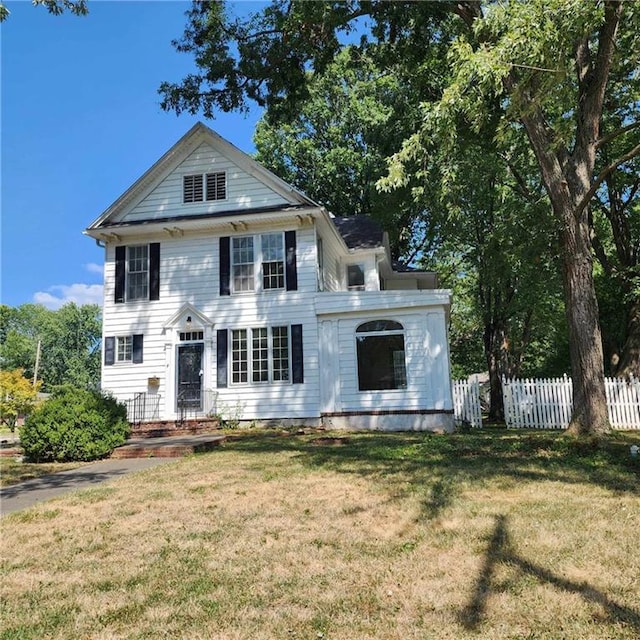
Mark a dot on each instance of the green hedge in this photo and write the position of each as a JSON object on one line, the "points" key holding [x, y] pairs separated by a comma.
{"points": [[74, 424]]}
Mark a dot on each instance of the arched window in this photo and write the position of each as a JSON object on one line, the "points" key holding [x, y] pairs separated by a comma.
{"points": [[380, 351]]}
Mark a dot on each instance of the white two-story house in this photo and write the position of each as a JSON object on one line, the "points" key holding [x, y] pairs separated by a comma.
{"points": [[226, 290]]}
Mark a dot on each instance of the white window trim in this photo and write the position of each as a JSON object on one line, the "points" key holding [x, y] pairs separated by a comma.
{"points": [[258, 263], [249, 336], [127, 273], [117, 359], [391, 332], [358, 287]]}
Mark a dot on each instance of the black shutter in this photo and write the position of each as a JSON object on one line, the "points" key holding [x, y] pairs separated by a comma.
{"points": [[225, 266], [154, 271], [221, 354], [121, 265], [297, 357], [290, 257], [137, 349], [109, 350]]}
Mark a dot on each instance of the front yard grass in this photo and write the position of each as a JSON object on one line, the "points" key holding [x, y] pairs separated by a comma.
{"points": [[493, 535]]}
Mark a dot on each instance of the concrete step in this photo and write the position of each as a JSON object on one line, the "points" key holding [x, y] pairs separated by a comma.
{"points": [[168, 446]]}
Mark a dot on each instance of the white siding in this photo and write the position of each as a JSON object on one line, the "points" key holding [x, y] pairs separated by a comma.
{"points": [[426, 350], [189, 272], [244, 191]]}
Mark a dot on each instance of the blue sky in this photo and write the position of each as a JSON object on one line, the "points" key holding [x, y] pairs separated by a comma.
{"points": [[80, 122]]}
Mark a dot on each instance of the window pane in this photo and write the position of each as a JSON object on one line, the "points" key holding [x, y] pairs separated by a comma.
{"points": [[355, 276], [272, 261], [242, 264], [260, 355], [280, 354], [239, 359], [138, 272], [273, 275], [381, 362], [124, 349], [379, 325]]}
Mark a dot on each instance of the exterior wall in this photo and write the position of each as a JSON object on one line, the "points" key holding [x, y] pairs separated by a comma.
{"points": [[243, 190], [426, 403], [189, 273]]}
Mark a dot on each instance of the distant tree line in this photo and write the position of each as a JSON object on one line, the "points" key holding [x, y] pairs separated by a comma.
{"points": [[69, 343]]}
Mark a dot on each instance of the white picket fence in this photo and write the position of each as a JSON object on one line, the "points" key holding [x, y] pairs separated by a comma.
{"points": [[466, 402], [547, 404]]}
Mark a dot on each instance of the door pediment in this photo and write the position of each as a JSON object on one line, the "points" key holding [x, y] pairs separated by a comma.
{"points": [[187, 317]]}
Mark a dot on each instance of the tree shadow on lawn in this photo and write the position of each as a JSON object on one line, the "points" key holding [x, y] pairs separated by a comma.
{"points": [[427, 459], [500, 551]]}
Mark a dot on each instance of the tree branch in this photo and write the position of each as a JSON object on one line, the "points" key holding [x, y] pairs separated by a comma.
{"points": [[593, 81], [602, 175], [614, 134]]}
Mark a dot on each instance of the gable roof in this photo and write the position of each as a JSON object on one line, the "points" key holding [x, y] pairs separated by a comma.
{"points": [[360, 232], [197, 135]]}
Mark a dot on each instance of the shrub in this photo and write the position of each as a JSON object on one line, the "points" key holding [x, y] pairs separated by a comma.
{"points": [[74, 424]]}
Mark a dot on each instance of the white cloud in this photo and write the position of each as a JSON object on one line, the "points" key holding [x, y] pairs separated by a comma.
{"points": [[60, 294], [92, 267]]}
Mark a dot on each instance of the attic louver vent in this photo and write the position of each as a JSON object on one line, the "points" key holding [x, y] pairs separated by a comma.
{"points": [[216, 186], [194, 189]]}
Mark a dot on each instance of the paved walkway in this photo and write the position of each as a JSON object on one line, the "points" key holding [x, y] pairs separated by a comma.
{"points": [[27, 494]]}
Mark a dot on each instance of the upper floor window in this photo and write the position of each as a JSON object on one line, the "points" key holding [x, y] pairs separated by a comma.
{"points": [[208, 186], [258, 262], [137, 272], [355, 277], [380, 355]]}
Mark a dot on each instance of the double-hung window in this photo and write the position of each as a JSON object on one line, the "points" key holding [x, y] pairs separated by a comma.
{"points": [[258, 262], [243, 263], [138, 272], [260, 354]]}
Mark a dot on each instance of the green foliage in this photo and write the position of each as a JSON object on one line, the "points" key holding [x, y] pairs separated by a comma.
{"points": [[55, 7], [335, 148], [75, 424], [69, 337]]}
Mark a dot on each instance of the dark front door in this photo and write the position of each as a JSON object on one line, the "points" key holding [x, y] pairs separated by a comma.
{"points": [[190, 376]]}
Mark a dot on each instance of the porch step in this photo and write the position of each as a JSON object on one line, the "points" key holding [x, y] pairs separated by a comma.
{"points": [[168, 446], [168, 428]]}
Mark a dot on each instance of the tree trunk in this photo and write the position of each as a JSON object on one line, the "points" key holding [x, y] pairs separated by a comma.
{"points": [[629, 364], [494, 340], [567, 180], [585, 342]]}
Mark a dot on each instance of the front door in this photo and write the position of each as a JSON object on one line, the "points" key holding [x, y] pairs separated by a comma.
{"points": [[189, 391]]}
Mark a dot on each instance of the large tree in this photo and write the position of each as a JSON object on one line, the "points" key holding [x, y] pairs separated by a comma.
{"points": [[467, 211], [547, 62]]}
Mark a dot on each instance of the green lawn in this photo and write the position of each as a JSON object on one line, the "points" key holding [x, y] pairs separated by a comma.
{"points": [[492, 534]]}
